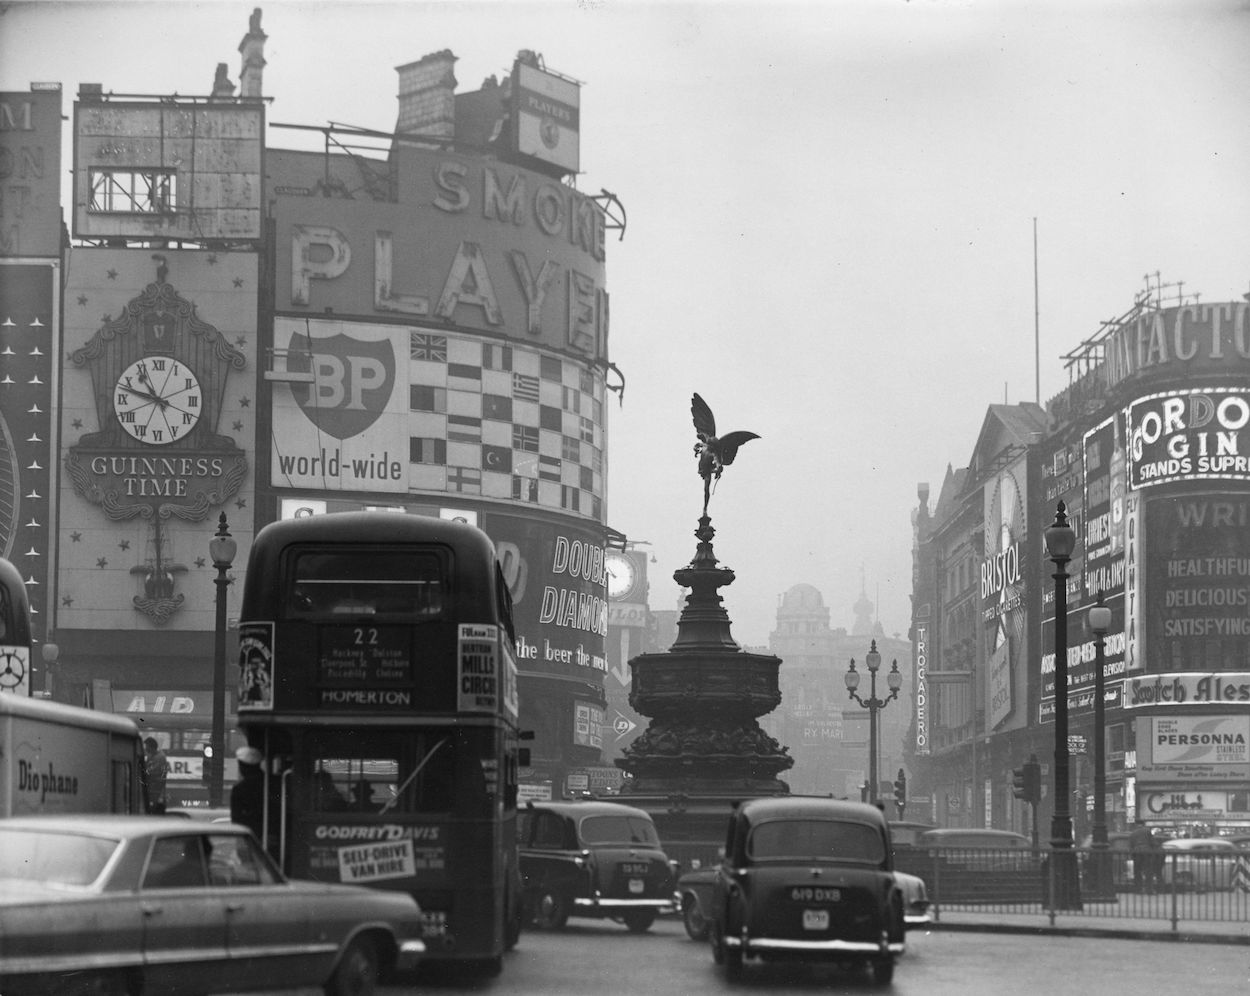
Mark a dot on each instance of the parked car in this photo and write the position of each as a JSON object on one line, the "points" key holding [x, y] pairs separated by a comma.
{"points": [[148, 904], [593, 859], [983, 849], [807, 879], [905, 833], [1199, 863]]}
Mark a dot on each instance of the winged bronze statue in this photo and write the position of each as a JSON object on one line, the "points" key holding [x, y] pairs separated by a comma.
{"points": [[715, 452]]}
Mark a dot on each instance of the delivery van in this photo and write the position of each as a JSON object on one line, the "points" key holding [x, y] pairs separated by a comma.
{"points": [[57, 758]]}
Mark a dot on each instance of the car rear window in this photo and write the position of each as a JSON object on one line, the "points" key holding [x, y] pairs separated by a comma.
{"points": [[619, 830], [53, 858], [828, 840]]}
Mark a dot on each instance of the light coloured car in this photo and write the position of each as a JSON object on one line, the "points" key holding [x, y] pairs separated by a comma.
{"points": [[148, 904], [1199, 863]]}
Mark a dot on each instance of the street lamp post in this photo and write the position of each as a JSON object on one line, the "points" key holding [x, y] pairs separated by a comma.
{"points": [[222, 549], [895, 680], [1060, 541], [1099, 623]]}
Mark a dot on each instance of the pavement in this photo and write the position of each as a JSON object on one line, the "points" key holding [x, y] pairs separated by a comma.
{"points": [[1093, 925]]}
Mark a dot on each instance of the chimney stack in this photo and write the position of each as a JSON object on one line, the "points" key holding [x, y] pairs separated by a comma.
{"points": [[252, 48], [427, 96]]}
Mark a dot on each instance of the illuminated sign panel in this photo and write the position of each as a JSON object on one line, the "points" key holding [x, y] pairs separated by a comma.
{"points": [[1197, 594], [1188, 748], [30, 168], [921, 656], [1103, 540], [1185, 340], [1189, 435]]}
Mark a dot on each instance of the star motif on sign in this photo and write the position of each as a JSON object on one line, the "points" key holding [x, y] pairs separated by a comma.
{"points": [[105, 318], [76, 423], [200, 561], [82, 299], [124, 545], [238, 281], [111, 274], [238, 426], [240, 503], [241, 341], [76, 537], [101, 563], [245, 402], [67, 601]]}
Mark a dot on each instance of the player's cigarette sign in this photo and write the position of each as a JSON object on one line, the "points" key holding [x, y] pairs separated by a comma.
{"points": [[373, 862]]}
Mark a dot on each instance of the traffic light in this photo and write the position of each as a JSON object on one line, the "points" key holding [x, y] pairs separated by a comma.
{"points": [[1033, 780], [206, 765], [900, 791], [1019, 786], [863, 792]]}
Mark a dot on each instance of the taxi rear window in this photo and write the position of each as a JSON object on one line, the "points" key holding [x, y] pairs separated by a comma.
{"points": [[827, 840]]}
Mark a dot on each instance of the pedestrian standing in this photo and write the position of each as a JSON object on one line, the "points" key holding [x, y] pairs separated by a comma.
{"points": [[1142, 844], [156, 768], [247, 798]]}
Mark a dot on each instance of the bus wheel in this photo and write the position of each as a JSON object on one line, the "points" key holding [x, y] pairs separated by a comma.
{"points": [[551, 910], [639, 921], [357, 972]]}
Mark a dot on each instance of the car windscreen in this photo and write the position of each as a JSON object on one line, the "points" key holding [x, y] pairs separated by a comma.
{"points": [[53, 858], [613, 829], [824, 840]]}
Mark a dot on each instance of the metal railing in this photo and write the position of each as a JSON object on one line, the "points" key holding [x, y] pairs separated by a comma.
{"points": [[1176, 887]]}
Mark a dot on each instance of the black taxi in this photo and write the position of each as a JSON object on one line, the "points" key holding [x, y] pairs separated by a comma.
{"points": [[807, 879], [593, 859]]}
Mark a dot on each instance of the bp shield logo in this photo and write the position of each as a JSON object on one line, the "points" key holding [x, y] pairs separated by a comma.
{"points": [[352, 381]]}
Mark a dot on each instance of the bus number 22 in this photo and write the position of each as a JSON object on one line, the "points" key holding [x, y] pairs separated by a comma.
{"points": [[366, 637]]}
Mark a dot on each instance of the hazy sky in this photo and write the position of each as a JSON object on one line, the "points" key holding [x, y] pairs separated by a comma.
{"points": [[830, 219]]}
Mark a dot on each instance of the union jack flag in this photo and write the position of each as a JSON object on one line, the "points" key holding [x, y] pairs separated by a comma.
{"points": [[428, 347]]}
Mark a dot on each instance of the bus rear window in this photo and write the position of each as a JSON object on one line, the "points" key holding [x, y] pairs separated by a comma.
{"points": [[399, 583]]}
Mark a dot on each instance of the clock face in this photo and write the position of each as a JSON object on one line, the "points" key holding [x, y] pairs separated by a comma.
{"points": [[621, 575], [158, 400], [12, 669]]}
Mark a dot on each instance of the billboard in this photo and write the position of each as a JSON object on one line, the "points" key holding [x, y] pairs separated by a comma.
{"points": [[1179, 342], [30, 168], [394, 409], [1103, 459], [473, 244], [1004, 591], [1188, 436], [1192, 749], [547, 116], [29, 346], [168, 170], [1197, 592]]}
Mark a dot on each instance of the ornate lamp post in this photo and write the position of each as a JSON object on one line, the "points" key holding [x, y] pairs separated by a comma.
{"points": [[222, 549], [895, 680], [1060, 541], [1099, 623]]}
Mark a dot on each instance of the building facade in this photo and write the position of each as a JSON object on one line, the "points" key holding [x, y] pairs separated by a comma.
{"points": [[1147, 450], [414, 321]]}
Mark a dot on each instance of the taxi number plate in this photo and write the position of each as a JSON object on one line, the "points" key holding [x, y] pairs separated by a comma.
{"points": [[637, 885], [815, 894], [815, 919]]}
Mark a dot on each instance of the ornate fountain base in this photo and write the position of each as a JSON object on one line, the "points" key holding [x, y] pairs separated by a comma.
{"points": [[703, 750]]}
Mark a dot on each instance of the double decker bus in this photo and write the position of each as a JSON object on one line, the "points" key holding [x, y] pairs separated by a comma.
{"points": [[377, 676]]}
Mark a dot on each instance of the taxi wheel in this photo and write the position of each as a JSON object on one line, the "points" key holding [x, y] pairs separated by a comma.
{"points": [[357, 972], [696, 923], [883, 971], [718, 943], [551, 910], [639, 921]]}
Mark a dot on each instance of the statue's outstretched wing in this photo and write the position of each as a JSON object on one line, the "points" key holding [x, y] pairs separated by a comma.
{"points": [[730, 442], [704, 422]]}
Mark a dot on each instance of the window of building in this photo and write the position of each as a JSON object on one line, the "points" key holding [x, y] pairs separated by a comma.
{"points": [[133, 191]]}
